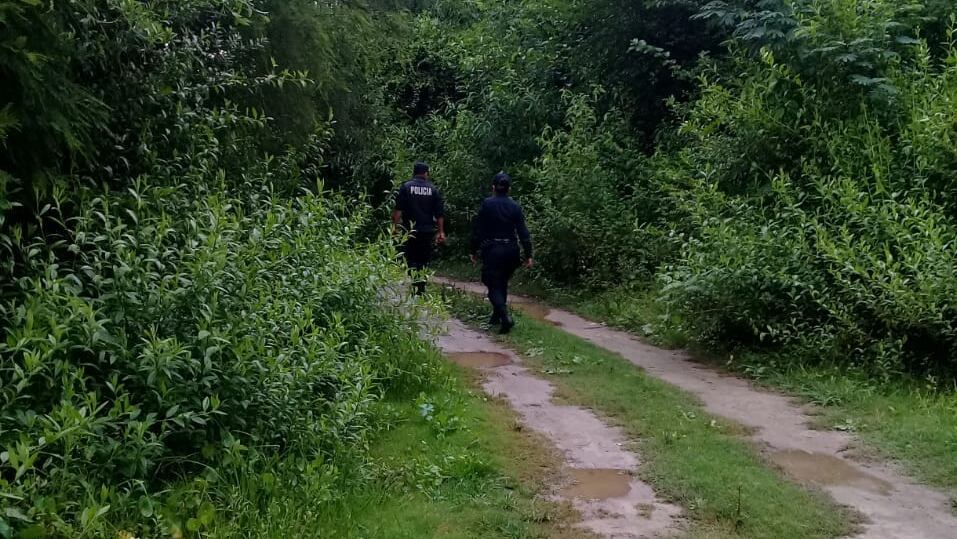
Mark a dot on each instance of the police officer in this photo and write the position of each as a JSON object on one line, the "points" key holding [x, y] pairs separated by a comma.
{"points": [[420, 209], [496, 233]]}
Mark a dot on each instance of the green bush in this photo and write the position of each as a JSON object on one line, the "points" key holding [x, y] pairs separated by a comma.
{"points": [[837, 239], [169, 346], [592, 208], [183, 316]]}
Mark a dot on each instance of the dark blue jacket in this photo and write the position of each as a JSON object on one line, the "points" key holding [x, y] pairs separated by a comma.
{"points": [[421, 204], [500, 218]]}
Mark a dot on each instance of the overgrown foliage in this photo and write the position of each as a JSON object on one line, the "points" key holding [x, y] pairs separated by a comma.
{"points": [[821, 218], [582, 194], [186, 316], [783, 169]]}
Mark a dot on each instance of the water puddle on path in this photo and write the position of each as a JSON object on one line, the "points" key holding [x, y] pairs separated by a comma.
{"points": [[826, 469], [479, 360], [534, 310], [597, 484]]}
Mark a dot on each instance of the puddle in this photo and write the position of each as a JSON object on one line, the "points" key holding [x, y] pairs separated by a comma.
{"points": [[480, 360], [827, 470], [597, 484], [534, 310]]}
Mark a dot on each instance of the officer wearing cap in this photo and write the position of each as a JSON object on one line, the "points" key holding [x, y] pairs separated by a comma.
{"points": [[420, 210], [497, 231]]}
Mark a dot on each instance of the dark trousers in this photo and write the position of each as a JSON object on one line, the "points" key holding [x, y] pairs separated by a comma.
{"points": [[418, 255], [499, 262]]}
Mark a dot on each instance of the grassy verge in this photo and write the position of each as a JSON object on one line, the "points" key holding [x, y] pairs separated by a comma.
{"points": [[695, 459], [449, 464], [909, 421]]}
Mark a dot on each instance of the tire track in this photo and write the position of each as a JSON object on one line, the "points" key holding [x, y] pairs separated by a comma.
{"points": [[613, 502], [894, 506]]}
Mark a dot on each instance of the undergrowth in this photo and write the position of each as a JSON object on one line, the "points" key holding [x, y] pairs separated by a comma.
{"points": [[445, 462]]}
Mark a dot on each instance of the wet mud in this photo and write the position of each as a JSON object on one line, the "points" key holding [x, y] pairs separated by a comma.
{"points": [[597, 484], [824, 469], [479, 360], [534, 310]]}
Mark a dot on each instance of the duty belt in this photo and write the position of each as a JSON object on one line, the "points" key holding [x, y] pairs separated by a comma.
{"points": [[488, 242]]}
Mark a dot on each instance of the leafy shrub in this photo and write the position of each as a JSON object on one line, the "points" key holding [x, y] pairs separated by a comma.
{"points": [[591, 207], [164, 347], [846, 251], [179, 319]]}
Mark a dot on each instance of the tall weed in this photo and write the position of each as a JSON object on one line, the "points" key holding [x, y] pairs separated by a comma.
{"points": [[842, 246]]}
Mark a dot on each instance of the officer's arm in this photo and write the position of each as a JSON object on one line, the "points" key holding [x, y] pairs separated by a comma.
{"points": [[440, 214], [397, 212], [477, 227], [523, 235]]}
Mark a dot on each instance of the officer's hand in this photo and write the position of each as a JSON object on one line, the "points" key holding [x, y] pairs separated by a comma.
{"points": [[529, 264], [440, 239], [474, 259]]}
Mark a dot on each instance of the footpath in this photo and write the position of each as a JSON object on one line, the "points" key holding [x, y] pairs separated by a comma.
{"points": [[614, 503]]}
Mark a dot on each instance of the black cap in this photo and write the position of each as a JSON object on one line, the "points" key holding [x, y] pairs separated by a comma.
{"points": [[420, 168], [502, 180]]}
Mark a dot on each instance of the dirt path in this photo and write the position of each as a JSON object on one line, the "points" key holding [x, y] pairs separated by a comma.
{"points": [[613, 502], [894, 505]]}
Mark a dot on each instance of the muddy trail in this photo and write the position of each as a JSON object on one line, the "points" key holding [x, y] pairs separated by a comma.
{"points": [[892, 504], [599, 475]]}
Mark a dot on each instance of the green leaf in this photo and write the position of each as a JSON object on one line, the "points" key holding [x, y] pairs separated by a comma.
{"points": [[146, 507], [206, 513], [15, 513]]}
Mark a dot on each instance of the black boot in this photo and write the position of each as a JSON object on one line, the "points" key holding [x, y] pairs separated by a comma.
{"points": [[507, 325], [418, 288], [495, 319]]}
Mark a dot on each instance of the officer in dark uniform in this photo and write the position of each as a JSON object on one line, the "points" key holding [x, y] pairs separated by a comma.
{"points": [[497, 231], [420, 210]]}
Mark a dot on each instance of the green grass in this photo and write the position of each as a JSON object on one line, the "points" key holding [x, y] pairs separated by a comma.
{"points": [[700, 462], [450, 464], [909, 421]]}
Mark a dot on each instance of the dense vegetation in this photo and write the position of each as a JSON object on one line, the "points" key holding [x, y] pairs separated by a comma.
{"points": [[192, 192], [783, 171], [189, 325]]}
